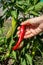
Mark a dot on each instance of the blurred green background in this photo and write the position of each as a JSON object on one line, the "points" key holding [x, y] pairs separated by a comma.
{"points": [[41, 0]]}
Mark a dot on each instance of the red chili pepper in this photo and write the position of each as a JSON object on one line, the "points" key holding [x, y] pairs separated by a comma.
{"points": [[20, 38], [22, 33]]}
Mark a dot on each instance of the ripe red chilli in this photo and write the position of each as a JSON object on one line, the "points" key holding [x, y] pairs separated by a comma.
{"points": [[22, 33]]}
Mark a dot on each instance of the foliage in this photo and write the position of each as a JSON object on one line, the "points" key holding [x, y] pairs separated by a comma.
{"points": [[32, 47]]}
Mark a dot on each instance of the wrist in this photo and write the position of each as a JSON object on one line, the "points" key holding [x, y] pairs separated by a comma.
{"points": [[41, 19], [41, 26], [36, 20]]}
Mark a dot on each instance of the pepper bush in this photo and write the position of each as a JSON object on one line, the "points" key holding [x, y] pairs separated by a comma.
{"points": [[32, 51]]}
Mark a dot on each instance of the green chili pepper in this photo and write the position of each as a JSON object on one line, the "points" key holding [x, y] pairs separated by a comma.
{"points": [[12, 29]]}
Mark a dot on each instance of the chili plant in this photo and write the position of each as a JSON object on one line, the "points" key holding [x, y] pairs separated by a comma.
{"points": [[13, 13]]}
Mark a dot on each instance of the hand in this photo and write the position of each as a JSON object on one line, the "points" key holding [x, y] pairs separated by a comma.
{"points": [[35, 28]]}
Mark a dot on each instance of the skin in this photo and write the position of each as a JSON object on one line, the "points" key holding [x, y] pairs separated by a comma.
{"points": [[35, 28]]}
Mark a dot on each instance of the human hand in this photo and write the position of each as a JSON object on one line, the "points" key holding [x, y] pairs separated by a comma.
{"points": [[35, 28]]}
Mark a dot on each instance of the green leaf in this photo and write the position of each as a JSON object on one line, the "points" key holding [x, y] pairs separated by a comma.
{"points": [[11, 43], [23, 61], [23, 51], [7, 55], [29, 58], [34, 13], [39, 7], [1, 49], [36, 1], [13, 54], [12, 0], [28, 46], [14, 14]]}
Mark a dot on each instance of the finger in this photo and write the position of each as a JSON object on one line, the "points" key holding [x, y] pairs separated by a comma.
{"points": [[18, 32], [28, 36], [33, 33], [38, 30], [18, 28], [28, 32], [18, 35]]}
